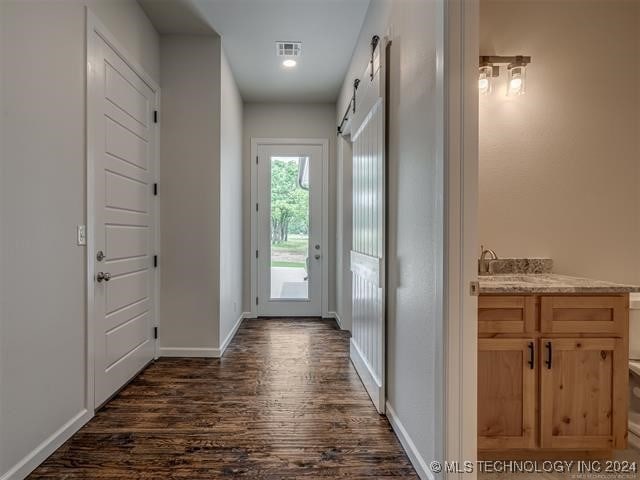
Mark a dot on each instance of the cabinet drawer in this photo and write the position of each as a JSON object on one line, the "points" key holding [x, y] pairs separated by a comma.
{"points": [[601, 315], [506, 314]]}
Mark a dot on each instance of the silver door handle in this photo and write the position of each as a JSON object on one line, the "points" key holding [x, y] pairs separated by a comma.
{"points": [[103, 276]]}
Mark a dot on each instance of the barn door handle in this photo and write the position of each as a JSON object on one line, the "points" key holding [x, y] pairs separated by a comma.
{"points": [[531, 355], [549, 359]]}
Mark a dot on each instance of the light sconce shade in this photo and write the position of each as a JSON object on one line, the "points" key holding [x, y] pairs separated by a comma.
{"points": [[516, 73], [517, 79], [484, 79]]}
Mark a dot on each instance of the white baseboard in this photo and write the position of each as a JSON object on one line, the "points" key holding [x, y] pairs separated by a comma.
{"points": [[232, 333], [39, 454], [369, 379], [203, 352], [416, 459]]}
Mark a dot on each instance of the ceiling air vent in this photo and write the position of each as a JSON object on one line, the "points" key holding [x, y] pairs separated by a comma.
{"points": [[288, 49]]}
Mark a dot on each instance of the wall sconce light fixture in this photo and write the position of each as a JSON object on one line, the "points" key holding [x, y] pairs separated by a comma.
{"points": [[517, 79], [485, 79], [516, 70]]}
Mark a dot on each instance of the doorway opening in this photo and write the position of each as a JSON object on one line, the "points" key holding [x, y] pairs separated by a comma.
{"points": [[289, 227]]}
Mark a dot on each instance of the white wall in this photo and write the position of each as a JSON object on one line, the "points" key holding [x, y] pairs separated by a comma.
{"points": [[415, 216], [267, 120], [560, 165], [42, 199], [190, 193], [231, 201]]}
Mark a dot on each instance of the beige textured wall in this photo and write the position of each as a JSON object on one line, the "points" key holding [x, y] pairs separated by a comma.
{"points": [[560, 166]]}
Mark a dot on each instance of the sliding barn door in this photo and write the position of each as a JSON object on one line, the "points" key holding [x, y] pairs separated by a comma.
{"points": [[368, 251]]}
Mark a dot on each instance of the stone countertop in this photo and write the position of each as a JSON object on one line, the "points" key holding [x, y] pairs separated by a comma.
{"points": [[547, 283]]}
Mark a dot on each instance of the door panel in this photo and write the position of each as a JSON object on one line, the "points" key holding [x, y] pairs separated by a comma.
{"points": [[127, 193], [122, 316], [289, 256], [125, 145], [506, 393], [126, 289], [127, 242], [368, 242], [125, 96], [583, 380], [122, 145]]}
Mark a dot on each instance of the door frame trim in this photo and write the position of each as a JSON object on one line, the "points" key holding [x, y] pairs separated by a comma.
{"points": [[94, 25], [256, 142], [459, 76]]}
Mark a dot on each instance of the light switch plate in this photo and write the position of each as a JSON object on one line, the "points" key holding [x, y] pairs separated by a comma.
{"points": [[82, 235]]}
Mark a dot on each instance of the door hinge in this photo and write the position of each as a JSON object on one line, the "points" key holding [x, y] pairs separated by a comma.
{"points": [[257, 301], [256, 159], [257, 207], [155, 261], [155, 116], [155, 189], [155, 332], [474, 288], [256, 253]]}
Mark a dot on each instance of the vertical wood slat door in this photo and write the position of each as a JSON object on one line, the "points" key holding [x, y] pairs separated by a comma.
{"points": [[121, 147], [368, 248]]}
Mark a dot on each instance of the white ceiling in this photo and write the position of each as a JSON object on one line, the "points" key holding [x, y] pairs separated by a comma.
{"points": [[328, 30]]}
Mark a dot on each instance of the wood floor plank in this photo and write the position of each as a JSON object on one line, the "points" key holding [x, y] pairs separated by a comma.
{"points": [[283, 403]]}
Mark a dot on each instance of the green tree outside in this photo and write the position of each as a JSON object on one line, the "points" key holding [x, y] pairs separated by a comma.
{"points": [[289, 202], [289, 215]]}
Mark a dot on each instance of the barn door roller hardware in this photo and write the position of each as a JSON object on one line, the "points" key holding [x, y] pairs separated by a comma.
{"points": [[374, 44], [351, 107], [356, 82]]}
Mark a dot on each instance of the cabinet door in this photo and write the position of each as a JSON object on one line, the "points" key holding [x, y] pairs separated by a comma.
{"points": [[583, 393], [506, 393], [582, 314], [506, 314]]}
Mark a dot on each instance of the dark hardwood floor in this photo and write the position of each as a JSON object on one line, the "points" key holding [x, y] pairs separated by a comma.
{"points": [[283, 402]]}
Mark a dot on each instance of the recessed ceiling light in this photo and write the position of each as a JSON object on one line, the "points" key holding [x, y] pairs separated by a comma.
{"points": [[289, 63]]}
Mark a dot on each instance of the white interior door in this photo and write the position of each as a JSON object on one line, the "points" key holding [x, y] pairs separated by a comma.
{"points": [[368, 243], [289, 226], [122, 151]]}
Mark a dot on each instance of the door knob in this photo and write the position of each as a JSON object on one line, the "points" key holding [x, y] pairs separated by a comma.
{"points": [[103, 276]]}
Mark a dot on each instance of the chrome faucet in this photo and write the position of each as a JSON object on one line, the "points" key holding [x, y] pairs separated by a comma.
{"points": [[483, 266]]}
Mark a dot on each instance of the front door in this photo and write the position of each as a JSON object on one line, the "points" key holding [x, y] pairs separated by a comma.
{"points": [[289, 253], [122, 136]]}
